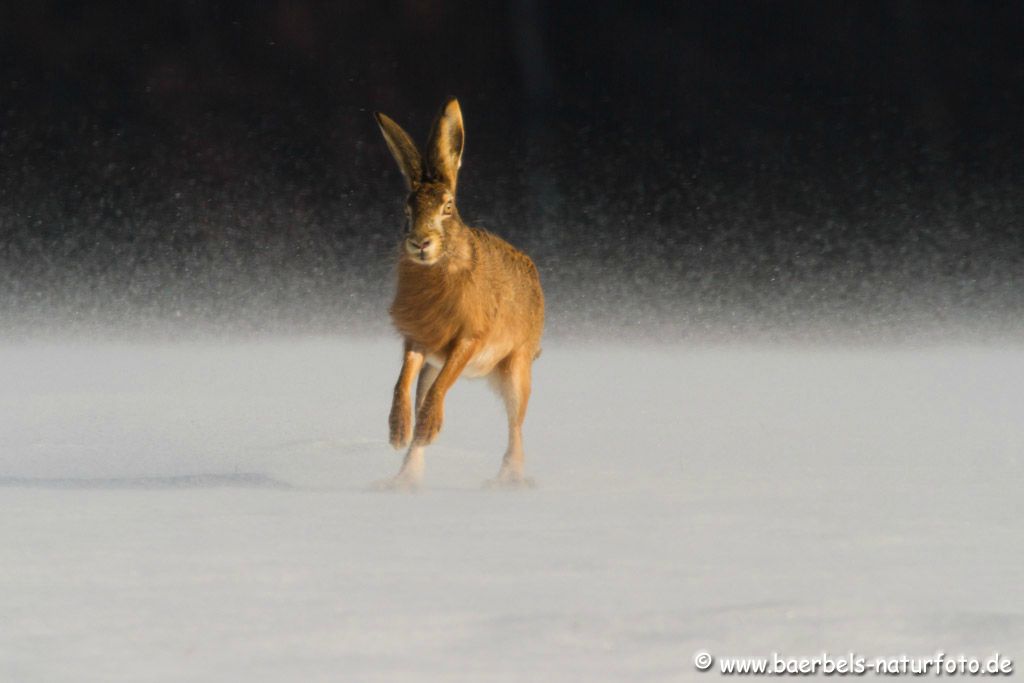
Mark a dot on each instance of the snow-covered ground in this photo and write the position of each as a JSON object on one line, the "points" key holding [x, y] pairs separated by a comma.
{"points": [[199, 512]]}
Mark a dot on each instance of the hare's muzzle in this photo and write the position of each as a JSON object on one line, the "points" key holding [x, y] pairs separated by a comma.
{"points": [[422, 250]]}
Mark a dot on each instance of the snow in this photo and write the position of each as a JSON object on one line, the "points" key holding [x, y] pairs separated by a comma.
{"points": [[199, 511]]}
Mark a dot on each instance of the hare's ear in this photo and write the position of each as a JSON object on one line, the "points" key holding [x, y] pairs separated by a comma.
{"points": [[403, 149], [446, 143]]}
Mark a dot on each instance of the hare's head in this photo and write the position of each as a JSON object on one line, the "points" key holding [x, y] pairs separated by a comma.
{"points": [[430, 214]]}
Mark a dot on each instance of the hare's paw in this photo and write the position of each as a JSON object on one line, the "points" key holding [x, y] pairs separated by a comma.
{"points": [[400, 483], [428, 423], [400, 423]]}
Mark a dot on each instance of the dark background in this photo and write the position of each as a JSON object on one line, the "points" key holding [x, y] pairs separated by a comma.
{"points": [[706, 169]]}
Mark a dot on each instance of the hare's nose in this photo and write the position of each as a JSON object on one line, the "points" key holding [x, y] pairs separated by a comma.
{"points": [[421, 245]]}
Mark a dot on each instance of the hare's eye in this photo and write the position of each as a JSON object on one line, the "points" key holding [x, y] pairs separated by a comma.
{"points": [[448, 208]]}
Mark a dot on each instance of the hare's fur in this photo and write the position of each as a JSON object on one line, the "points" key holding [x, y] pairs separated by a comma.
{"points": [[468, 303]]}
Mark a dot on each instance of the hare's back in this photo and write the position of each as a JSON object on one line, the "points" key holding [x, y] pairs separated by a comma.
{"points": [[513, 280]]}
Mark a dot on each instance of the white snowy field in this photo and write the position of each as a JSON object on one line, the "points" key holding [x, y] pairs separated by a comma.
{"points": [[199, 512]]}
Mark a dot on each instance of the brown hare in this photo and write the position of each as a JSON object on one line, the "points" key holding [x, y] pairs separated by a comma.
{"points": [[468, 303]]}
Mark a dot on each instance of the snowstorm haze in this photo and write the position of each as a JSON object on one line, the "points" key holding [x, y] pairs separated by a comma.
{"points": [[778, 407], [746, 169]]}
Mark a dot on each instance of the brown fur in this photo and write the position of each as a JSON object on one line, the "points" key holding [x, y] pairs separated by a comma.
{"points": [[466, 301]]}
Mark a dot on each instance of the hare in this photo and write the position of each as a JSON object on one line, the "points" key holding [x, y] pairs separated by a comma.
{"points": [[467, 303]]}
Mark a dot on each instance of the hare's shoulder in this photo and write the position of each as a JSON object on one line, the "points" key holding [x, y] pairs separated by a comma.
{"points": [[505, 252]]}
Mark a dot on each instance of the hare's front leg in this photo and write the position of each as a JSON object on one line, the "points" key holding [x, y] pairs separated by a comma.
{"points": [[400, 419], [400, 424], [513, 381], [411, 474], [430, 414]]}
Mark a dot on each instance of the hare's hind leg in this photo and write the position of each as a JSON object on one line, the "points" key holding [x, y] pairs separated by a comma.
{"points": [[426, 380], [409, 477], [512, 380]]}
